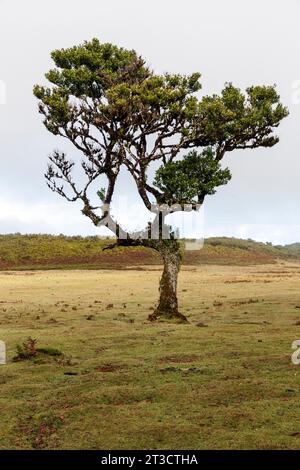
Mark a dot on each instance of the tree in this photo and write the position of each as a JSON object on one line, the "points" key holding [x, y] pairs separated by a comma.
{"points": [[118, 113]]}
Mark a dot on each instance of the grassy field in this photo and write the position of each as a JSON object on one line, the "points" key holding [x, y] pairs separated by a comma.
{"points": [[31, 252], [116, 381]]}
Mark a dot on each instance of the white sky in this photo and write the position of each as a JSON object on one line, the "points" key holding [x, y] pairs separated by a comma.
{"points": [[245, 42]]}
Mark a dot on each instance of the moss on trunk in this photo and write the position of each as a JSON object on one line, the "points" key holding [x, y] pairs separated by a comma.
{"points": [[167, 308]]}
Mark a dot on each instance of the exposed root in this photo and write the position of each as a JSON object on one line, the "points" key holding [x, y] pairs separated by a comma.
{"points": [[175, 317]]}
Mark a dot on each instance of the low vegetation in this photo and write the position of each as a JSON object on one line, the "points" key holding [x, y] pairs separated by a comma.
{"points": [[54, 252], [28, 350], [225, 380]]}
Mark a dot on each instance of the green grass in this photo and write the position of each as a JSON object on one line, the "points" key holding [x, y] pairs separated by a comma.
{"points": [[34, 252], [21, 249], [124, 383]]}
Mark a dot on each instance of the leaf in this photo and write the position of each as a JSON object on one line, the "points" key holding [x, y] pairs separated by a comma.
{"points": [[101, 194]]}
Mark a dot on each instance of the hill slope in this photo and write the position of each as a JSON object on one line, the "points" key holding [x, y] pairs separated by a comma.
{"points": [[293, 249], [50, 252]]}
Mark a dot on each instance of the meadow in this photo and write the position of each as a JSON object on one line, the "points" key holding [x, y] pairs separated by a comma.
{"points": [[103, 377], [40, 251]]}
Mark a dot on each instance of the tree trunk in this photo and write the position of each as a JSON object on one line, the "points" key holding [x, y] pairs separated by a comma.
{"points": [[168, 304]]}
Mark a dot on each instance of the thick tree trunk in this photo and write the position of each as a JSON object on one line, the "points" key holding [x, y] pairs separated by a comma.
{"points": [[168, 304], [170, 252]]}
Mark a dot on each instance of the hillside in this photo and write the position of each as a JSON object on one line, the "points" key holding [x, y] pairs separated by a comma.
{"points": [[55, 252], [293, 249]]}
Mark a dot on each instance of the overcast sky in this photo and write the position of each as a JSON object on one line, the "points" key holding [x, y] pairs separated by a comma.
{"points": [[246, 42]]}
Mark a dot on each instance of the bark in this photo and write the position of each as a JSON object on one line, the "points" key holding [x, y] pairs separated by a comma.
{"points": [[167, 308], [170, 252]]}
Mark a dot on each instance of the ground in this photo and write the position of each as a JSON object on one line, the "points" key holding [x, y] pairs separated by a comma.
{"points": [[225, 380]]}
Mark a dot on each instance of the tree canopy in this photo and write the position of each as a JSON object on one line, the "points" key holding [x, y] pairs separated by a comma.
{"points": [[117, 112]]}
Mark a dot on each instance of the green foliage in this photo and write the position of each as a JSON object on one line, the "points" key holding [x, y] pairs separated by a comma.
{"points": [[291, 250], [101, 194], [49, 351], [100, 84], [117, 112], [189, 180], [237, 121], [26, 350], [17, 249], [247, 245]]}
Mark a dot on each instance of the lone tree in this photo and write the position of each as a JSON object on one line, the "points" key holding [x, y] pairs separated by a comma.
{"points": [[118, 113]]}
